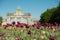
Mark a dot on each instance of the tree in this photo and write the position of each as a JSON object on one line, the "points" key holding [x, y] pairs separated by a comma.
{"points": [[51, 15], [56, 15], [1, 19], [45, 17]]}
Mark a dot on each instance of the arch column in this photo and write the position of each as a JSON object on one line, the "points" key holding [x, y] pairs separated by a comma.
{"points": [[29, 20], [8, 19], [15, 19], [22, 19]]}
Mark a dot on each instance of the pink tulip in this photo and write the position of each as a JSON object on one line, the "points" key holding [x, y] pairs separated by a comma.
{"points": [[2, 35]]}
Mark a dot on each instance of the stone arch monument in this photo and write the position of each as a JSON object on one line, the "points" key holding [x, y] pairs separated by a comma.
{"points": [[19, 14]]}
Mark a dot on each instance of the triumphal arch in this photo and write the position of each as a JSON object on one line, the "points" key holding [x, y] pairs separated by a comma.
{"points": [[19, 15]]}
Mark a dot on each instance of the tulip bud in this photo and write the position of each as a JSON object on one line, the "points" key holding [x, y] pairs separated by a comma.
{"points": [[22, 30], [54, 29], [42, 37], [43, 32], [34, 39]]}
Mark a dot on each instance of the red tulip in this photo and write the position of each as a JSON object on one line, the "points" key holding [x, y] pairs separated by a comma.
{"points": [[27, 26], [13, 22], [28, 32], [46, 24], [33, 25], [38, 26], [5, 26], [0, 24], [18, 23], [9, 24], [22, 25], [52, 37]]}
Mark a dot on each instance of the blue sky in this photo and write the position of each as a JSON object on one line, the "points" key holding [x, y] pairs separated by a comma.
{"points": [[35, 7]]}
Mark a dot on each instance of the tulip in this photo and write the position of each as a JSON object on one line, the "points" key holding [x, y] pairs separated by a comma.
{"points": [[56, 24], [22, 25], [43, 32], [52, 37], [42, 37], [38, 26], [28, 32], [46, 24], [22, 30], [27, 26], [13, 22], [9, 24], [18, 22], [54, 29], [4, 35], [17, 25], [18, 38], [0, 24], [32, 25], [34, 39], [5, 26]]}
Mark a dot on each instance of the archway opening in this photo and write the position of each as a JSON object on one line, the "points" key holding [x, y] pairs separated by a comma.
{"points": [[25, 20], [11, 20], [18, 19]]}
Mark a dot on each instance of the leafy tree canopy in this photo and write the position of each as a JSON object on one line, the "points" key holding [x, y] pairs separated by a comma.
{"points": [[51, 15]]}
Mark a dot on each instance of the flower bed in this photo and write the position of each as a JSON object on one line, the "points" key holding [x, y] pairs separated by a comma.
{"points": [[21, 31]]}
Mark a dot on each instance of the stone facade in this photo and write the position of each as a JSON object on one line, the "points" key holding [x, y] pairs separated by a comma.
{"points": [[21, 15]]}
